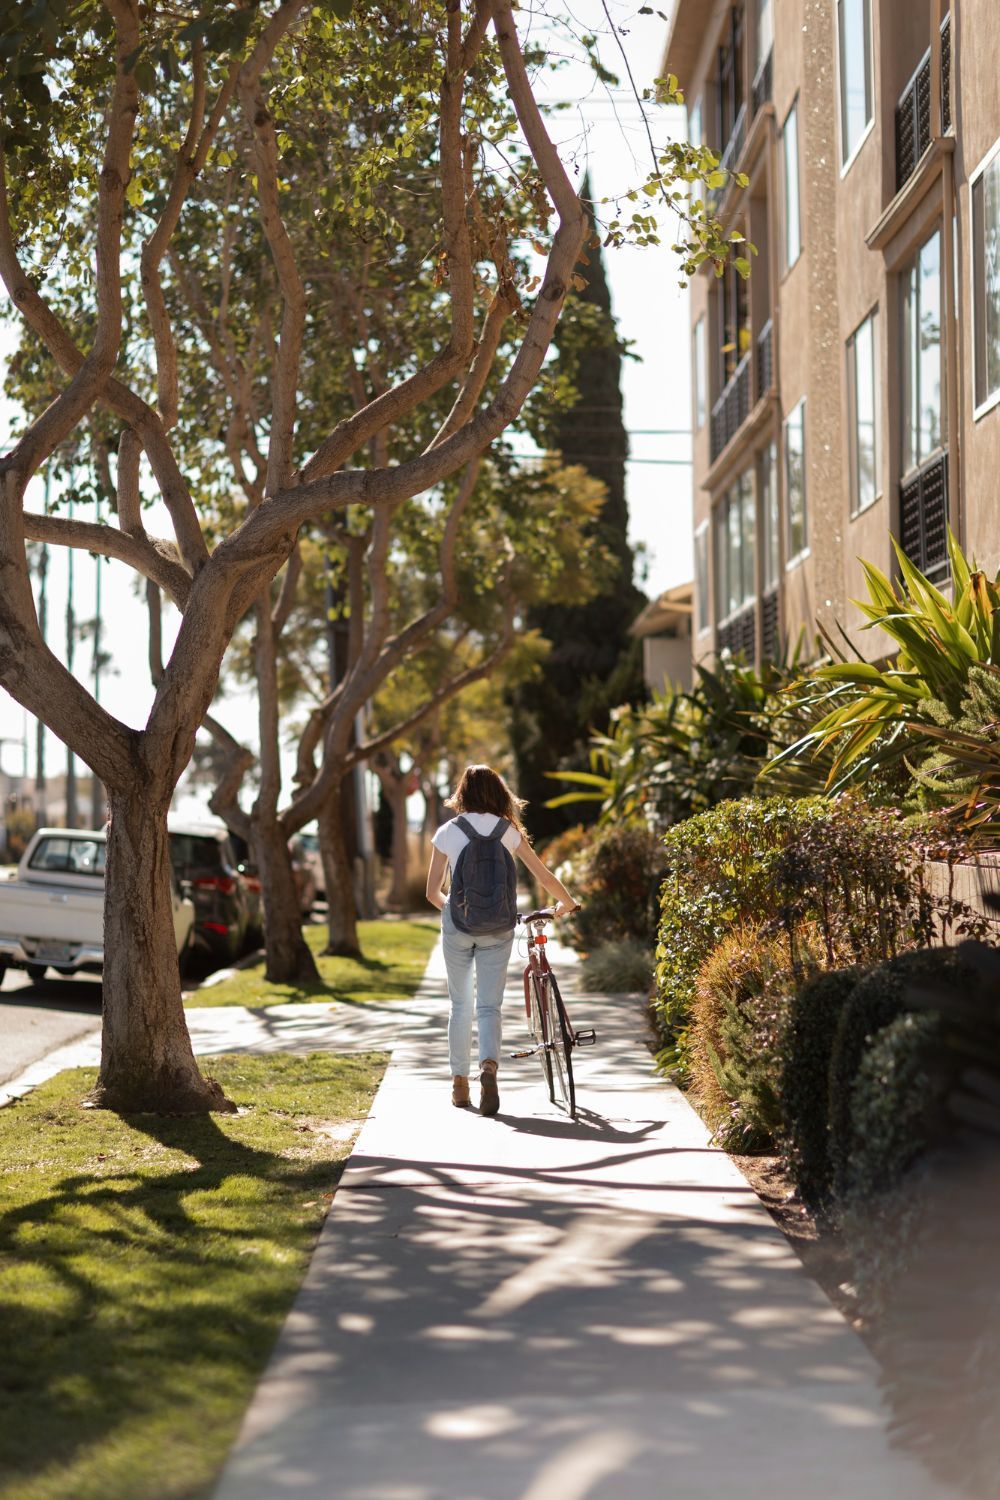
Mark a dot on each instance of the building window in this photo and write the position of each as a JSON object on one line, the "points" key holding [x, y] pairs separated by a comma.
{"points": [[765, 32], [920, 288], [701, 575], [986, 279], [695, 137], [862, 399], [734, 322], [790, 162], [769, 517], [854, 31], [700, 374], [729, 80], [735, 549], [797, 536]]}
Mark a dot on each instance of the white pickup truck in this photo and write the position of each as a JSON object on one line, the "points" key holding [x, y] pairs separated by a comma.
{"points": [[52, 906]]}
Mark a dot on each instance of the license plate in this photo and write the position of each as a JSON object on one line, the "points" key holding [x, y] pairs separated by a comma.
{"points": [[53, 953]]}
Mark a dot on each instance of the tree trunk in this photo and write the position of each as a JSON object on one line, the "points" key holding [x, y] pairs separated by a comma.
{"points": [[400, 846], [147, 1062], [289, 958], [342, 915]]}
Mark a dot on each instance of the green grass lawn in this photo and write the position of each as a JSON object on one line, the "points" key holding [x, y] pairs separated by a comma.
{"points": [[395, 956], [146, 1265]]}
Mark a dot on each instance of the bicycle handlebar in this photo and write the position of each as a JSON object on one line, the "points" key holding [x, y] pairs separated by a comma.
{"points": [[544, 914]]}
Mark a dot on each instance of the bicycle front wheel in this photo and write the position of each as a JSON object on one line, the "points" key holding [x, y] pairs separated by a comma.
{"points": [[539, 1024], [561, 1052]]}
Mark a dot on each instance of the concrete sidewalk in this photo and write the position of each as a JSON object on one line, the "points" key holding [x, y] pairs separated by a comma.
{"points": [[525, 1308]]}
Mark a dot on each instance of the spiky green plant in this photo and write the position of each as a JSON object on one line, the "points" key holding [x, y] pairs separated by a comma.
{"points": [[935, 706]]}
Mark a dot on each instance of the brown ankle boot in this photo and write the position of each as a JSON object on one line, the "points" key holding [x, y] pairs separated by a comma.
{"points": [[460, 1091], [489, 1098]]}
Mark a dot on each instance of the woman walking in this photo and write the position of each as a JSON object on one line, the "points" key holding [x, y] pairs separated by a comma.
{"points": [[477, 918]]}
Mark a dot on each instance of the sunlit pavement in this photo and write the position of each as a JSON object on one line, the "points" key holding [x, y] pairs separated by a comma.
{"points": [[525, 1308]]}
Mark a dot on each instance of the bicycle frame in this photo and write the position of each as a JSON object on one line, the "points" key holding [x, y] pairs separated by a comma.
{"points": [[557, 1040]]}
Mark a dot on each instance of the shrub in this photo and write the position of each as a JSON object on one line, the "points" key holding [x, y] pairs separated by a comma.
{"points": [[564, 853], [890, 1100], [854, 874], [617, 881], [813, 1017], [738, 1017], [718, 873], [875, 1002], [624, 966]]}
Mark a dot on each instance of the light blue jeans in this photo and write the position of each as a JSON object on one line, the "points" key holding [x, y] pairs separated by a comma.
{"points": [[488, 958]]}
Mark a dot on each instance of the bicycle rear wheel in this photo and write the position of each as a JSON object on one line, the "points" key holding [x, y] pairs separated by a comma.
{"points": [[538, 1017], [562, 1051]]}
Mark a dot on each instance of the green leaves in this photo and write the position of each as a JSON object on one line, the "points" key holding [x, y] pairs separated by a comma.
{"points": [[929, 708]]}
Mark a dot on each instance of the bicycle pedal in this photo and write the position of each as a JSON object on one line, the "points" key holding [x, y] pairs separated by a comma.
{"points": [[585, 1038], [529, 1053]]}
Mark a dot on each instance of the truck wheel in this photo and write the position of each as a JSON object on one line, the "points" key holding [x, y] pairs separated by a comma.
{"points": [[36, 972], [3, 973]]}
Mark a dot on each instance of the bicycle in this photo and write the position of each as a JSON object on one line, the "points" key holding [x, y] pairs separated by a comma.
{"points": [[549, 1025]]}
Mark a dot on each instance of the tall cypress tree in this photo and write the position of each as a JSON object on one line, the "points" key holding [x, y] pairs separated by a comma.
{"points": [[594, 664]]}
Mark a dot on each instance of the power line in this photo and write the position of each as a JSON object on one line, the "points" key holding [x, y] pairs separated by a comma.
{"points": [[601, 458]]}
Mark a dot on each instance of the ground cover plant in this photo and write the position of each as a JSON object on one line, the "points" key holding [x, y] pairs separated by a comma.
{"points": [[148, 1263], [393, 963]]}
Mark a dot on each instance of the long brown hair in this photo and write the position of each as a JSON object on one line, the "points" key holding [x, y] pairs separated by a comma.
{"points": [[483, 790]]}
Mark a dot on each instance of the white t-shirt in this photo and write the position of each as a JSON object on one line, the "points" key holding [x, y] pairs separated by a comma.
{"points": [[451, 840]]}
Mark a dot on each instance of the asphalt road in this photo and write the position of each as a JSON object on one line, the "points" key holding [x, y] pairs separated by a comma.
{"points": [[37, 1018]]}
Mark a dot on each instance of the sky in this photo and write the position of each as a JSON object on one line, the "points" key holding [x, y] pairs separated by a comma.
{"points": [[601, 132]]}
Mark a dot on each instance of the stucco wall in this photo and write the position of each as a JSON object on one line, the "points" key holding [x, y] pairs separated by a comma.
{"points": [[977, 100]]}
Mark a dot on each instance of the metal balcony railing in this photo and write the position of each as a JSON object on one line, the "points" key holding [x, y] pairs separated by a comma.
{"points": [[913, 112], [923, 518], [733, 406], [738, 634]]}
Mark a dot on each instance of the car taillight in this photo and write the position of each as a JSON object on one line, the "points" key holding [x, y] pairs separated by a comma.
{"points": [[222, 883]]}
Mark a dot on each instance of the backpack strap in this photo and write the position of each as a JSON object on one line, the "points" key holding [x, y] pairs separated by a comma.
{"points": [[498, 832]]}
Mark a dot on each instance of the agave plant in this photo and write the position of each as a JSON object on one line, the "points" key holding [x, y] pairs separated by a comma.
{"points": [[683, 752], [935, 706]]}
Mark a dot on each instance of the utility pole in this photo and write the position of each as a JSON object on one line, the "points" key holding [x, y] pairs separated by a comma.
{"points": [[71, 809]]}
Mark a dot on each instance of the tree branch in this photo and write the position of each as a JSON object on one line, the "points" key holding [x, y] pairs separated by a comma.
{"points": [[404, 397], [127, 488], [124, 402], [286, 598], [47, 431], [147, 555], [285, 376]]}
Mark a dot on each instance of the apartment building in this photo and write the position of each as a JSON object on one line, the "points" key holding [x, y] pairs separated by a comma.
{"points": [[850, 389]]}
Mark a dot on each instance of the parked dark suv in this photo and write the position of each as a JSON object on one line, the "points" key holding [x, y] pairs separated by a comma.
{"points": [[203, 858]]}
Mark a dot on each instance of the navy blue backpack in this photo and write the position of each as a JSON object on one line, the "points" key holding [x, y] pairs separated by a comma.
{"points": [[483, 895]]}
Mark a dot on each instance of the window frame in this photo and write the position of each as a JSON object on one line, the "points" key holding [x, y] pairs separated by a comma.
{"points": [[855, 506], [979, 408], [789, 265], [759, 60], [907, 434], [703, 613], [739, 498], [770, 536], [847, 161], [699, 372], [793, 558]]}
